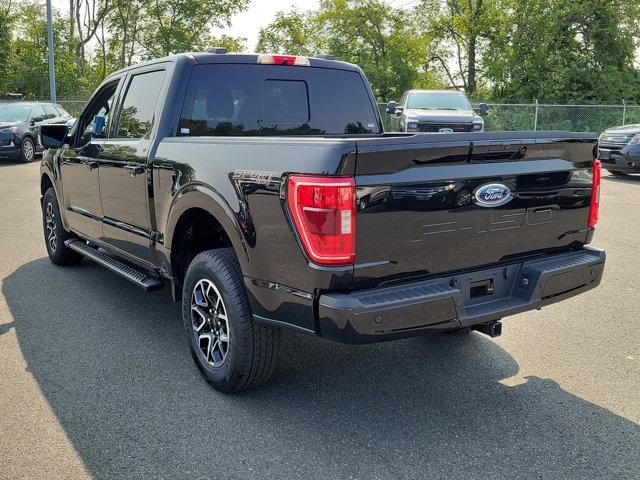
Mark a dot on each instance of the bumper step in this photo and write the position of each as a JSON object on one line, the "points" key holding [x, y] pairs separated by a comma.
{"points": [[449, 302], [141, 278]]}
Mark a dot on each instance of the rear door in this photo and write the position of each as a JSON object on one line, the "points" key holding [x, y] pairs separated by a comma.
{"points": [[124, 172], [435, 203]]}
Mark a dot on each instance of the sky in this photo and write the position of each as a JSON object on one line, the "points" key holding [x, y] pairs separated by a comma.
{"points": [[260, 13], [247, 24]]}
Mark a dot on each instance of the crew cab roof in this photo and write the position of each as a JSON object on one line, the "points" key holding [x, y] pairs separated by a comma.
{"points": [[238, 58]]}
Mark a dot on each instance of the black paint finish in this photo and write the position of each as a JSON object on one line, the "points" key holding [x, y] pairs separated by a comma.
{"points": [[417, 219]]}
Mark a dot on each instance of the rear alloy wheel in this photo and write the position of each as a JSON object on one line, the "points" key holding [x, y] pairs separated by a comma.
{"points": [[210, 322], [28, 150], [230, 349]]}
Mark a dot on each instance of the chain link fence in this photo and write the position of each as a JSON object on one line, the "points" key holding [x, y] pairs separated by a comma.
{"points": [[74, 107], [515, 116], [545, 116]]}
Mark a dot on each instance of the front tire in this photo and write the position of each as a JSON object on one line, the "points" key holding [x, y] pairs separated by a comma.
{"points": [[27, 150], [54, 233], [230, 349]]}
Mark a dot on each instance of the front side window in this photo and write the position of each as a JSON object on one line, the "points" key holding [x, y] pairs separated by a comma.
{"points": [[95, 119], [253, 100], [138, 109]]}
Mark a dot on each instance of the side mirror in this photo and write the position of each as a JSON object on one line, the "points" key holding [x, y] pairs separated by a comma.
{"points": [[35, 120], [392, 107], [53, 136], [484, 109]]}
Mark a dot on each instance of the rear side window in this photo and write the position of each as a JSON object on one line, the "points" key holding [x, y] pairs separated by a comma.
{"points": [[138, 109], [61, 111], [38, 114], [235, 100], [50, 111]]}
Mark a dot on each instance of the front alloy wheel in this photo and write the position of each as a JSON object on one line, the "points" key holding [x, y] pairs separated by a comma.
{"points": [[51, 228], [54, 233], [210, 322]]}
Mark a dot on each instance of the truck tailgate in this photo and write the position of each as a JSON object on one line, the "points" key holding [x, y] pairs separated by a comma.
{"points": [[434, 203]]}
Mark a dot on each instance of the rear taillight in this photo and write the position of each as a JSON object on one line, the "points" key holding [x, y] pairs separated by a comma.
{"points": [[324, 213], [595, 194], [284, 60]]}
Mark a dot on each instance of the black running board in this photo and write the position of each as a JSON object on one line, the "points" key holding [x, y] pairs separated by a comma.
{"points": [[140, 278]]}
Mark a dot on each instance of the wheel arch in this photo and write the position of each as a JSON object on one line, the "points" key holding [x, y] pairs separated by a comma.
{"points": [[45, 184], [31, 136], [199, 220]]}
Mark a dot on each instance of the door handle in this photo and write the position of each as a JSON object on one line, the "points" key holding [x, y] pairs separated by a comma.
{"points": [[134, 169]]}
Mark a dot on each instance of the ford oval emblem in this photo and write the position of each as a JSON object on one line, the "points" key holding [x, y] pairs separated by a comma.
{"points": [[493, 195]]}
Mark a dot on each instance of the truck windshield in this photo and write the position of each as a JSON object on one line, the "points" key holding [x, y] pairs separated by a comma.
{"points": [[438, 101], [252, 100], [14, 113]]}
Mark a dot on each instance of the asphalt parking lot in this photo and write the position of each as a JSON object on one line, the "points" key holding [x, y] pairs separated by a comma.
{"points": [[96, 381]]}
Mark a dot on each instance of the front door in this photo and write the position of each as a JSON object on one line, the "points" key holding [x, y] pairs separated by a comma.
{"points": [[79, 166], [124, 172]]}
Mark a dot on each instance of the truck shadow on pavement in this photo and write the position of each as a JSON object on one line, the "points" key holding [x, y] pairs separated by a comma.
{"points": [[114, 366]]}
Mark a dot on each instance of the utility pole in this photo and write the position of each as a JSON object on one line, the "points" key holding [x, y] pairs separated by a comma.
{"points": [[52, 72]]}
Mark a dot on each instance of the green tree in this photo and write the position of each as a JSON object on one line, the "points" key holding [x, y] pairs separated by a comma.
{"points": [[293, 33], [232, 44], [565, 50], [461, 30], [6, 36], [385, 42], [27, 68], [373, 35], [172, 26]]}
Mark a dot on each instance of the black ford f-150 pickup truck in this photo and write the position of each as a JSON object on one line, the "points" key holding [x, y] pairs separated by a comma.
{"points": [[264, 191]]}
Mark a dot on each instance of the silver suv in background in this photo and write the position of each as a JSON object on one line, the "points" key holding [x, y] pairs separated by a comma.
{"points": [[444, 111]]}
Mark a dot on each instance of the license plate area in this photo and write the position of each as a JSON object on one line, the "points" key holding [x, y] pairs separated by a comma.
{"points": [[604, 154]]}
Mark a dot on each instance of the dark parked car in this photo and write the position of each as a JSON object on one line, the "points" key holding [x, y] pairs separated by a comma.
{"points": [[619, 150], [264, 191], [19, 122]]}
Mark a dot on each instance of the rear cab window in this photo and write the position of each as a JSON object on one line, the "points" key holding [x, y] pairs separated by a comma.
{"points": [[254, 100]]}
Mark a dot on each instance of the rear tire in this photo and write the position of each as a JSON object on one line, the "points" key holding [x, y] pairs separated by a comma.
{"points": [[27, 150], [54, 233], [618, 174], [230, 349]]}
